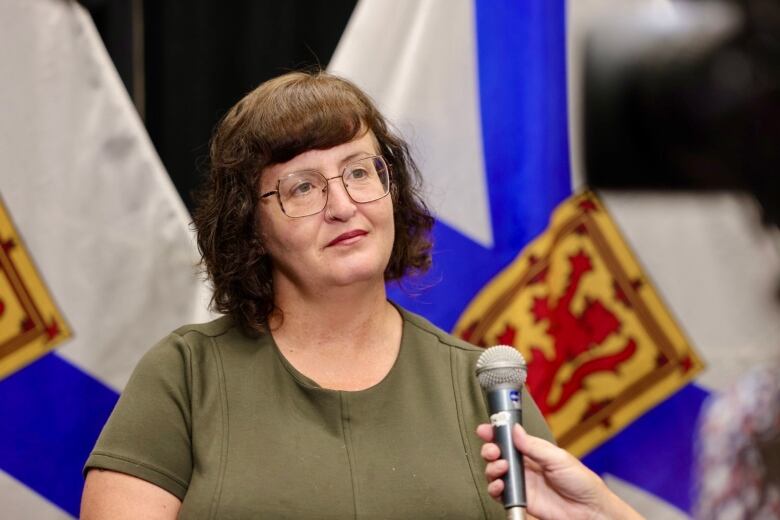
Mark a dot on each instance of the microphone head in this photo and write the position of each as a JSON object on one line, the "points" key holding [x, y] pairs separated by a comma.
{"points": [[501, 366]]}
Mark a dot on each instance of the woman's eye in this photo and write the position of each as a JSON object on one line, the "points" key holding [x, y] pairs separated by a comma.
{"points": [[302, 189], [358, 174]]}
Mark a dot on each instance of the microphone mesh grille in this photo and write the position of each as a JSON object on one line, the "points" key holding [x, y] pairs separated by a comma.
{"points": [[501, 365]]}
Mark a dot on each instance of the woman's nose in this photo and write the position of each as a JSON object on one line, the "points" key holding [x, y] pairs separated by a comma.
{"points": [[340, 205]]}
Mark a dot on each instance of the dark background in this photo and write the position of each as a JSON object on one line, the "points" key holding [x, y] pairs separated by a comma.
{"points": [[666, 127], [186, 62]]}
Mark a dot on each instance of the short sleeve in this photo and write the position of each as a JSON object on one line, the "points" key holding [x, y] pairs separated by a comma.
{"points": [[148, 435]]}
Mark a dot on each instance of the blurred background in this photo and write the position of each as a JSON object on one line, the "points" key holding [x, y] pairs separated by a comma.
{"points": [[185, 65], [603, 175]]}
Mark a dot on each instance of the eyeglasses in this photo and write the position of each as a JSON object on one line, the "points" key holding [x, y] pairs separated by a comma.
{"points": [[305, 193]]}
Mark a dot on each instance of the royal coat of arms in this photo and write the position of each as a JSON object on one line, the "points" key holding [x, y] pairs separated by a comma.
{"points": [[600, 345], [30, 323]]}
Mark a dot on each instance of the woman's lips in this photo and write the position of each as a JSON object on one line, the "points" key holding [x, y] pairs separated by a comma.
{"points": [[348, 237]]}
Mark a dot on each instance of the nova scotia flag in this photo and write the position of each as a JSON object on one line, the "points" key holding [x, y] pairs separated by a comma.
{"points": [[97, 259], [486, 92]]}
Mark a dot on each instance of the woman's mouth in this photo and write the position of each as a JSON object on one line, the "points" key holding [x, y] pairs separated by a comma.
{"points": [[348, 238]]}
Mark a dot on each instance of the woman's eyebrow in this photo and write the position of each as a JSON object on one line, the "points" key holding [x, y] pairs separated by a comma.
{"points": [[343, 162], [354, 156]]}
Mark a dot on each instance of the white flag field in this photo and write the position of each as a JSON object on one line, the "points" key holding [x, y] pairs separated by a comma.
{"points": [[98, 260]]}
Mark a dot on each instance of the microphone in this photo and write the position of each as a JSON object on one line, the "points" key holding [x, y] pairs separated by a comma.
{"points": [[501, 372]]}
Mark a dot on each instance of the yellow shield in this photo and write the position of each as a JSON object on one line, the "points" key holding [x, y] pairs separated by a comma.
{"points": [[30, 323], [600, 345]]}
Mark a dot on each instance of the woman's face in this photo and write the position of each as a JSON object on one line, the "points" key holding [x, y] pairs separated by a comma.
{"points": [[343, 244]]}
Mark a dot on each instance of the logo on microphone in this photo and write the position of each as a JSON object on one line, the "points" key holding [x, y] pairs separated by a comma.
{"points": [[514, 396]]}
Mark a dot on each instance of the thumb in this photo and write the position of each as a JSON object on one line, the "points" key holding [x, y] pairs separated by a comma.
{"points": [[538, 450]]}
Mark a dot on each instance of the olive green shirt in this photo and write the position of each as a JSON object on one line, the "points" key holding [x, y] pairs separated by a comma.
{"points": [[223, 421]]}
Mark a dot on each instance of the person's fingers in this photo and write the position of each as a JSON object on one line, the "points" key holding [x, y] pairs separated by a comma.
{"points": [[496, 469], [490, 452], [485, 432], [536, 449], [495, 488]]}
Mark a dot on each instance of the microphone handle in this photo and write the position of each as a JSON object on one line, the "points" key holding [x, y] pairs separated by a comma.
{"points": [[504, 404]]}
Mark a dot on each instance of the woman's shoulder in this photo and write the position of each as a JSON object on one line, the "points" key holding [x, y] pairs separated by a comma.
{"points": [[421, 325], [210, 329], [464, 360], [195, 341]]}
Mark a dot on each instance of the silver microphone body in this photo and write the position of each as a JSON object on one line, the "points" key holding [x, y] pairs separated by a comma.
{"points": [[501, 371]]}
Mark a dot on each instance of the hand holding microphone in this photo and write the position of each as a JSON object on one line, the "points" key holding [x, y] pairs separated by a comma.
{"points": [[559, 485]]}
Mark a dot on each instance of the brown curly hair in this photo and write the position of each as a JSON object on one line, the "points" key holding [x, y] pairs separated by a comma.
{"points": [[280, 119]]}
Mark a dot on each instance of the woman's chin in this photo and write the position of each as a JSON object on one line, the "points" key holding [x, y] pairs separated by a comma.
{"points": [[346, 275]]}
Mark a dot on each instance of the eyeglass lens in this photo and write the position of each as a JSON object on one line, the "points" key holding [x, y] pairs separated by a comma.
{"points": [[306, 193]]}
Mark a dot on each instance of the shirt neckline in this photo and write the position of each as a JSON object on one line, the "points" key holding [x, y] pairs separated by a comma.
{"points": [[307, 382]]}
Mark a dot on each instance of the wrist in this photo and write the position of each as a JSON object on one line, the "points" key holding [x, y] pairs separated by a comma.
{"points": [[614, 508]]}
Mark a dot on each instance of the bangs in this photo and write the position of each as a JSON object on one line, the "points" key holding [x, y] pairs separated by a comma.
{"points": [[310, 113]]}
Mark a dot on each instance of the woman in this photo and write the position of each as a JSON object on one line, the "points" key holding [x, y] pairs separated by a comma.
{"points": [[314, 397]]}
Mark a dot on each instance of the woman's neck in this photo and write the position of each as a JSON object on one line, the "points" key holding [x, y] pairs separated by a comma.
{"points": [[317, 331], [328, 312]]}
